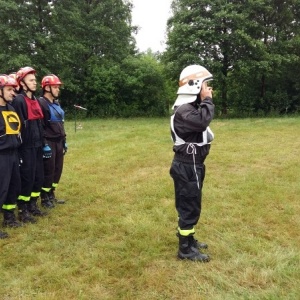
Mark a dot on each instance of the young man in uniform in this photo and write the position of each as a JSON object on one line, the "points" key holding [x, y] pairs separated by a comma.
{"points": [[54, 136], [10, 181], [193, 112], [32, 149]]}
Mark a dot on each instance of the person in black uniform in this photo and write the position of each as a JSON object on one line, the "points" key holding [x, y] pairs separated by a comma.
{"points": [[10, 181], [193, 112], [55, 137], [32, 149]]}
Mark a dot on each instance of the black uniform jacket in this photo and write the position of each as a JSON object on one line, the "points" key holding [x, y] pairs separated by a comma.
{"points": [[53, 126], [31, 127], [190, 122], [9, 129]]}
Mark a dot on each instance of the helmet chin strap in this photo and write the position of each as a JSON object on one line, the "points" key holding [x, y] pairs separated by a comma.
{"points": [[1, 96], [54, 97], [51, 93], [28, 89]]}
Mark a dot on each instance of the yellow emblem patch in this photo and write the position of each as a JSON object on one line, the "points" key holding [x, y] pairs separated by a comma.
{"points": [[12, 122]]}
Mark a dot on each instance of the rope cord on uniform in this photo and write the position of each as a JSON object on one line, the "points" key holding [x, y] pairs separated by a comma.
{"points": [[194, 152]]}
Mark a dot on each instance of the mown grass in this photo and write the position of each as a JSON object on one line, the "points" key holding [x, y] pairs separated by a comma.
{"points": [[115, 237]]}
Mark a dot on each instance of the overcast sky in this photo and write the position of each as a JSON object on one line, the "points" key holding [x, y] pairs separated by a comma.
{"points": [[151, 16]]}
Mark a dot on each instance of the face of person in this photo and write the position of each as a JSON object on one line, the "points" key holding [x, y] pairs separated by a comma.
{"points": [[206, 90], [8, 93], [30, 81], [54, 89]]}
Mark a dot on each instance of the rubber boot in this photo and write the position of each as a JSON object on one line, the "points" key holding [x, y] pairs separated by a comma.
{"points": [[188, 251], [46, 201], [54, 199], [24, 215], [34, 209], [196, 243], [10, 220]]}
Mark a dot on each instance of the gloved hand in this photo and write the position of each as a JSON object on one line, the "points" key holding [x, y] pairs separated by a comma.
{"points": [[47, 152], [65, 148]]}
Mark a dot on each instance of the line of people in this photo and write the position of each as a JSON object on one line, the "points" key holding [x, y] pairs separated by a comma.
{"points": [[32, 146]]}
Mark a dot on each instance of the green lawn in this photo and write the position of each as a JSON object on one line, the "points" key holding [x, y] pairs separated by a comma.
{"points": [[115, 236]]}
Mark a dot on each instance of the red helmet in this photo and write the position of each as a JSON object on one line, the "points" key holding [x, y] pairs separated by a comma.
{"points": [[6, 80], [13, 75], [23, 72], [50, 80]]}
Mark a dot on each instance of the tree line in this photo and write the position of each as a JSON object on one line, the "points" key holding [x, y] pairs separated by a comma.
{"points": [[251, 47]]}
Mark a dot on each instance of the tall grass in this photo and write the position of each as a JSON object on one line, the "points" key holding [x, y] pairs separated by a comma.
{"points": [[115, 236]]}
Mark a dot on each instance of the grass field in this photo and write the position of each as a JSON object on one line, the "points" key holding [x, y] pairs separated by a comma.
{"points": [[115, 236]]}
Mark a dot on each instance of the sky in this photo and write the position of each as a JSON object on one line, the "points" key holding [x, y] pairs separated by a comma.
{"points": [[151, 17]]}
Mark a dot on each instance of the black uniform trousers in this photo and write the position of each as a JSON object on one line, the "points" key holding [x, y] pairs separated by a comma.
{"points": [[32, 171], [10, 181], [188, 192], [53, 166]]}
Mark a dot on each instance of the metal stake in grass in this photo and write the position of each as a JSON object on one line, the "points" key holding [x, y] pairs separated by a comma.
{"points": [[78, 107]]}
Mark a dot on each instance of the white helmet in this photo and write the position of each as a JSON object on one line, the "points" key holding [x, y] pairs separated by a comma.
{"points": [[190, 82]]}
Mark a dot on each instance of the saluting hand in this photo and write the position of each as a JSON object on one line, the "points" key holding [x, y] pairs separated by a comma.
{"points": [[206, 91]]}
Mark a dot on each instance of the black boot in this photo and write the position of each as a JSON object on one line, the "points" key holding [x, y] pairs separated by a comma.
{"points": [[196, 243], [24, 215], [54, 199], [46, 201], [3, 235], [188, 251], [10, 220], [34, 209]]}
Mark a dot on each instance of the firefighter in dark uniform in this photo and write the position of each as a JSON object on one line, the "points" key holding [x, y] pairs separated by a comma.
{"points": [[54, 136], [193, 112], [10, 181], [32, 149]]}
